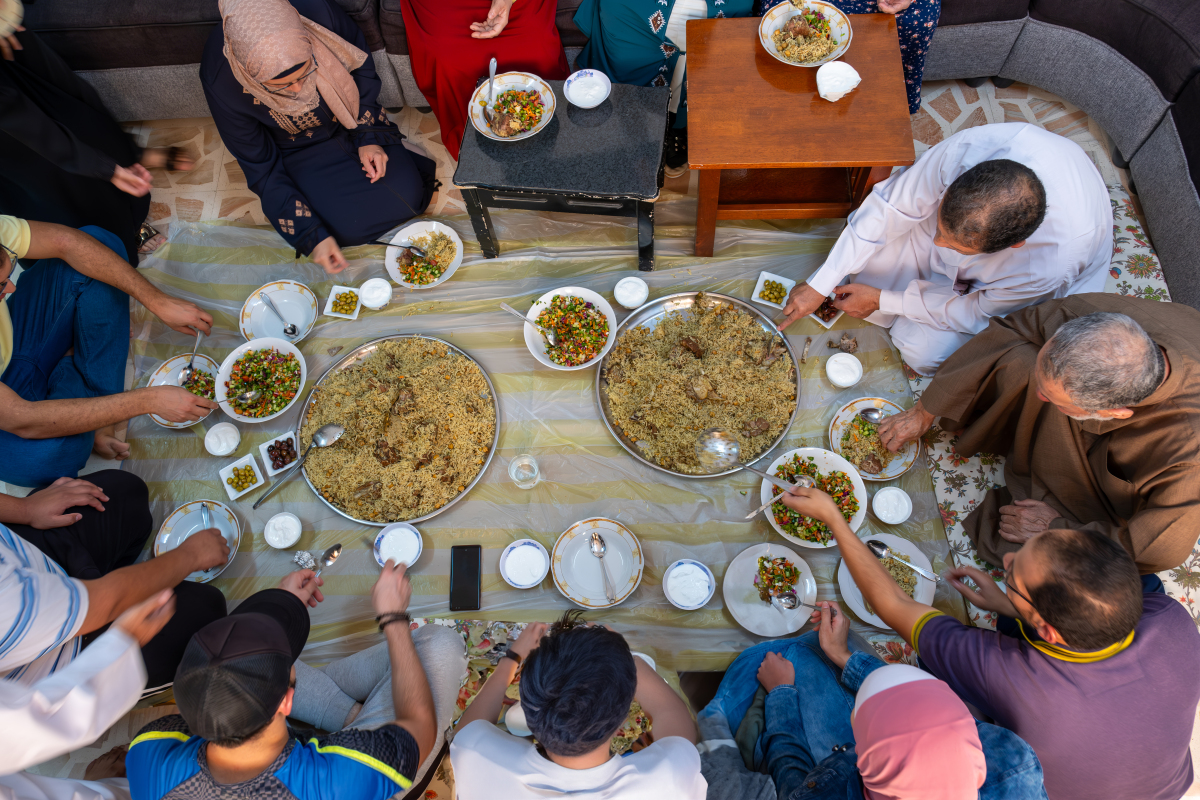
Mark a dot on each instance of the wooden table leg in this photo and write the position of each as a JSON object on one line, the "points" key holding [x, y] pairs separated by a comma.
{"points": [[863, 179], [481, 221], [645, 223], [706, 211]]}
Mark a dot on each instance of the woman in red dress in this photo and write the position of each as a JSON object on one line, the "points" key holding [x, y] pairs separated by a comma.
{"points": [[452, 41]]}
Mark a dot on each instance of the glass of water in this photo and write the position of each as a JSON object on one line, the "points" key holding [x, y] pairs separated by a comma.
{"points": [[524, 471]]}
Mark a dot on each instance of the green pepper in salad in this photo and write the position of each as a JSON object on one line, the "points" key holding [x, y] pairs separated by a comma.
{"points": [[275, 375], [836, 484]]}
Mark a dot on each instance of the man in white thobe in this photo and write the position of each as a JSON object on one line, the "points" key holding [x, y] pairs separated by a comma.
{"points": [[939, 248]]}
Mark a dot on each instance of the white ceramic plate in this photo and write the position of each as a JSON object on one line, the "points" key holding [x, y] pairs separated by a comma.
{"points": [[763, 277], [525, 543], [923, 593], [506, 81], [577, 572], [742, 600], [777, 17], [397, 526], [901, 462], [336, 290], [167, 374], [826, 462], [414, 231], [186, 520], [238, 352], [712, 584], [536, 342], [294, 300], [262, 452], [227, 472]]}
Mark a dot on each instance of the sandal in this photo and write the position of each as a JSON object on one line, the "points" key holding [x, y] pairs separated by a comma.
{"points": [[174, 158], [146, 234]]}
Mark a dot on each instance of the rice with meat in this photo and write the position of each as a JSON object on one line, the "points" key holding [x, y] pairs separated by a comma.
{"points": [[419, 421], [901, 574], [862, 447], [802, 49], [703, 368]]}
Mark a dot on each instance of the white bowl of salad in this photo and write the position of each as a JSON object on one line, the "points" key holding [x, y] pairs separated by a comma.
{"points": [[273, 367]]}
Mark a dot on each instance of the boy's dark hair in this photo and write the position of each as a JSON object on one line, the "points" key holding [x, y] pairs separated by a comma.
{"points": [[1092, 593], [576, 687], [993, 205]]}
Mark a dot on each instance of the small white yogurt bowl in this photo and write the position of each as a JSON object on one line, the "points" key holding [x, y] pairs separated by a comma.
{"points": [[712, 584], [634, 291], [282, 530], [216, 432], [892, 505], [584, 77], [840, 363], [508, 551], [399, 529], [375, 286]]}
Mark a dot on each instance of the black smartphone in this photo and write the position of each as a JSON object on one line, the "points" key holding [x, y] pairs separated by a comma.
{"points": [[465, 577]]}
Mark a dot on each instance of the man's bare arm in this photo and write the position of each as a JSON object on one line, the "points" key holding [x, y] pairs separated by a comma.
{"points": [[410, 689], [48, 419], [669, 712]]}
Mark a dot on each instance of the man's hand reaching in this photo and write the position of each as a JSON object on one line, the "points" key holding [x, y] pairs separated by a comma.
{"points": [[897, 430], [47, 509], [305, 584], [857, 299], [802, 301], [180, 315], [989, 596]]}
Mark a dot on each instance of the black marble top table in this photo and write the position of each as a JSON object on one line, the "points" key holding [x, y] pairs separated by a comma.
{"points": [[613, 150]]}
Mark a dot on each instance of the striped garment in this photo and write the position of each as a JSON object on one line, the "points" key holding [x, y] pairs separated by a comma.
{"points": [[41, 611]]}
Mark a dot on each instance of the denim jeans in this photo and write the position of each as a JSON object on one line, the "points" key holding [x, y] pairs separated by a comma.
{"points": [[56, 308], [808, 743]]}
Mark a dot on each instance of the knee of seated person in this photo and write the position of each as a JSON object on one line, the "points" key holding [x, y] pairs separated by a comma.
{"points": [[121, 485], [106, 238], [205, 602]]}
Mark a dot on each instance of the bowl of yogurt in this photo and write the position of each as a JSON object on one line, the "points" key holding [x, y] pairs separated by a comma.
{"points": [[631, 292], [892, 505], [375, 293], [587, 88], [524, 564], [222, 439], [282, 530], [399, 542], [688, 584], [843, 370]]}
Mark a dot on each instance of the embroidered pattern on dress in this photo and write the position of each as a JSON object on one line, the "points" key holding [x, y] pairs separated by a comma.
{"points": [[659, 80], [286, 226], [295, 125], [668, 50], [302, 210], [366, 118], [657, 21]]}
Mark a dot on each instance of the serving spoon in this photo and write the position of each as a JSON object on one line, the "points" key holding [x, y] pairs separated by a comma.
{"points": [[289, 328], [599, 548], [550, 335], [324, 436], [882, 551], [717, 450], [186, 373]]}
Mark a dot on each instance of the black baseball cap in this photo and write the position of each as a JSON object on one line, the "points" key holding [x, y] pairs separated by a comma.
{"points": [[235, 672]]}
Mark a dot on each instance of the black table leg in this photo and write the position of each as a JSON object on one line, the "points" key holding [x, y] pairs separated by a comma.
{"points": [[481, 221], [645, 224]]}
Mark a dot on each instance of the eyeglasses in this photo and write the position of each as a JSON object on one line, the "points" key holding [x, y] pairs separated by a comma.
{"points": [[1008, 581], [283, 89]]}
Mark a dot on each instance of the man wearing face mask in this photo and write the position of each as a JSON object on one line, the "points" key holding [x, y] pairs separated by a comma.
{"points": [[992, 220], [1095, 401]]}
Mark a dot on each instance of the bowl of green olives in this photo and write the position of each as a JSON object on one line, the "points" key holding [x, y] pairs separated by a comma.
{"points": [[344, 302], [241, 476], [772, 290]]}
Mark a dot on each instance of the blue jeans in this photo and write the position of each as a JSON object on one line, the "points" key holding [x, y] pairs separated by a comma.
{"points": [[56, 308], [808, 743]]}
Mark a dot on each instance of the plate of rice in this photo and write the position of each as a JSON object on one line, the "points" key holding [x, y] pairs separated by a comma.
{"points": [[443, 255], [834, 475], [857, 441], [915, 586], [805, 33]]}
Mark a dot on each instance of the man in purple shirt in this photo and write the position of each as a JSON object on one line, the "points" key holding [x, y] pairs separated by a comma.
{"points": [[1103, 681]]}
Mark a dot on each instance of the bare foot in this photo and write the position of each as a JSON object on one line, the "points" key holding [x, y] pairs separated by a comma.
{"points": [[109, 765], [107, 445], [156, 158], [152, 244]]}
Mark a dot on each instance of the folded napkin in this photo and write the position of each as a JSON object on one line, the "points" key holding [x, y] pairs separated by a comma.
{"points": [[836, 79]]}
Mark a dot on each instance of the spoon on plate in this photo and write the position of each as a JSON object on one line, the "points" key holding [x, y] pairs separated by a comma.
{"points": [[599, 548], [185, 373], [328, 557], [289, 328], [247, 397], [801, 480], [416, 251], [324, 436], [717, 450], [787, 602], [550, 335], [872, 415], [882, 551], [487, 110]]}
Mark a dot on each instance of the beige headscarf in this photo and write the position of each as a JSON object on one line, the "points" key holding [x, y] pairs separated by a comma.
{"points": [[265, 37]]}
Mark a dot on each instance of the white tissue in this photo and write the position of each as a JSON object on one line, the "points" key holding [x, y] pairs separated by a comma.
{"points": [[836, 79]]}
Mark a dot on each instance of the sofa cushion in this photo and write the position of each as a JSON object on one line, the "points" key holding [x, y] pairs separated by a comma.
{"points": [[564, 18], [1186, 113], [968, 12], [1162, 37], [1082, 70], [978, 50]]}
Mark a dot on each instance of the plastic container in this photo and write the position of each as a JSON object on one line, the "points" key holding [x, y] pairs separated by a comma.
{"points": [[892, 505], [282, 530], [217, 439], [631, 293], [375, 293], [843, 370]]}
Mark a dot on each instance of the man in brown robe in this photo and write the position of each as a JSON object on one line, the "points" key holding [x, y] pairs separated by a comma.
{"points": [[1100, 432]]}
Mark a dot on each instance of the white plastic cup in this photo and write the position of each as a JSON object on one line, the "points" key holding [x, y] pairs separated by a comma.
{"points": [[290, 530], [892, 505], [375, 285], [843, 362], [217, 431], [631, 293]]}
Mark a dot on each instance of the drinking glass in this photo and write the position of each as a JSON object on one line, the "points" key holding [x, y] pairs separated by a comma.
{"points": [[524, 471]]}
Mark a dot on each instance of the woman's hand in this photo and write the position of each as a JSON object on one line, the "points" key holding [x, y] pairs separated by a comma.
{"points": [[134, 180], [9, 43], [497, 18], [374, 161], [329, 256], [813, 503], [834, 631], [893, 6]]}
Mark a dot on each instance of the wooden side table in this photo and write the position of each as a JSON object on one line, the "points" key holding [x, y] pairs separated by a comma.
{"points": [[769, 147]]}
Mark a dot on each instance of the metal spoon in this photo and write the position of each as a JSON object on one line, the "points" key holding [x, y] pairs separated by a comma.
{"points": [[328, 557], [289, 328], [599, 548], [325, 436], [872, 415], [246, 397], [487, 110], [550, 335], [416, 251], [801, 480], [717, 450], [205, 517], [788, 602], [185, 373], [882, 551]]}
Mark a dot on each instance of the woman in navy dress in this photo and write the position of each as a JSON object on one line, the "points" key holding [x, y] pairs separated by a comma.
{"points": [[293, 92]]}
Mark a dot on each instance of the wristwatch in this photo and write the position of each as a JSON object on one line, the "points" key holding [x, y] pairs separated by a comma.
{"points": [[514, 656]]}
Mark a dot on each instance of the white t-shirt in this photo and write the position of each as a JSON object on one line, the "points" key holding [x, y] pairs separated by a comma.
{"points": [[489, 763]]}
